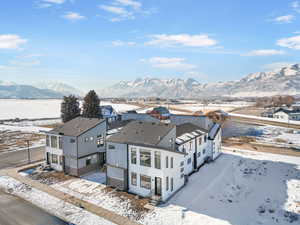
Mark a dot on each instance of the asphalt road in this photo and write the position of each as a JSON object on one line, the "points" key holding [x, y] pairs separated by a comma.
{"points": [[15, 211], [15, 158]]}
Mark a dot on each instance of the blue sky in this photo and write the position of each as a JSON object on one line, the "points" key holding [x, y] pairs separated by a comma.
{"points": [[95, 43]]}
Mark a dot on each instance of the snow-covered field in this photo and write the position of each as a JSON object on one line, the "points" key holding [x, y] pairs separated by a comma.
{"points": [[48, 108], [242, 188], [239, 188], [59, 208]]}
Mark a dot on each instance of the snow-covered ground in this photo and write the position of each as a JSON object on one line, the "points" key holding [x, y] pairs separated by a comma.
{"points": [[239, 188], [48, 108], [28, 129], [285, 137], [51, 204], [242, 188], [265, 118]]}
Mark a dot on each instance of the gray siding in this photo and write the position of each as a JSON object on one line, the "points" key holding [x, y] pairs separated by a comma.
{"points": [[139, 117], [86, 148], [201, 121], [117, 177], [165, 142], [117, 157]]}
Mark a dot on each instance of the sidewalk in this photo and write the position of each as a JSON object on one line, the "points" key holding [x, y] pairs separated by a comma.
{"points": [[97, 210]]}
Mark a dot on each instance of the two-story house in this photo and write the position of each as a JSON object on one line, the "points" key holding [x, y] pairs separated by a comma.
{"points": [[78, 146], [152, 159]]}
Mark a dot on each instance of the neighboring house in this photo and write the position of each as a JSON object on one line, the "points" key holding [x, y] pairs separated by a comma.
{"points": [[287, 114], [78, 146], [161, 113], [108, 112], [153, 159], [139, 117]]}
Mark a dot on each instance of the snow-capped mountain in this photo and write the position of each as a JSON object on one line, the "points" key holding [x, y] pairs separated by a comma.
{"points": [[283, 81], [63, 88]]}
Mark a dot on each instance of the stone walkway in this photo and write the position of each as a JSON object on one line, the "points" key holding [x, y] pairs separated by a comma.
{"points": [[104, 213]]}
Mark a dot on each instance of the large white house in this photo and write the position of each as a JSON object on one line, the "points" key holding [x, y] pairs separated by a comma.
{"points": [[286, 114], [154, 159]]}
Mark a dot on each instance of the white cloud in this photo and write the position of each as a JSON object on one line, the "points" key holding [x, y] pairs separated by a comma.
{"points": [[170, 63], [284, 19], [296, 6], [291, 42], [135, 4], [11, 41], [264, 52], [276, 66], [26, 63], [54, 1], [73, 16], [123, 43], [121, 12], [164, 40]]}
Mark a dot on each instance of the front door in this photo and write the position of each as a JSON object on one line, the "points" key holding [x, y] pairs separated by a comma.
{"points": [[158, 186]]}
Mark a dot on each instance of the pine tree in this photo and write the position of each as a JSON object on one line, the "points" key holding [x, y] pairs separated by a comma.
{"points": [[69, 108], [91, 105]]}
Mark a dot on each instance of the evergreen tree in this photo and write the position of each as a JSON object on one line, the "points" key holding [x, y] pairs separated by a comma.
{"points": [[91, 105], [69, 108]]}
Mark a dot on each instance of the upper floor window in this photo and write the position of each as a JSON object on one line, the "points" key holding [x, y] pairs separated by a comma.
{"points": [[172, 162], [72, 140], [86, 139], [100, 141], [47, 140], [145, 158], [205, 138], [157, 160], [53, 142], [189, 160], [60, 142], [167, 161], [111, 147], [191, 145], [91, 138], [167, 183], [172, 184], [133, 156], [200, 140]]}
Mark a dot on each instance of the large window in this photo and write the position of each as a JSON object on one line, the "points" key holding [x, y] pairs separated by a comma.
{"points": [[47, 140], [145, 158], [167, 162], [133, 156], [88, 162], [145, 182], [157, 160], [54, 159], [167, 183], [133, 179], [60, 142], [53, 142], [200, 140]]}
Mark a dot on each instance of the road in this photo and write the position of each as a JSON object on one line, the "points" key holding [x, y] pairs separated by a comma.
{"points": [[15, 211], [15, 158]]}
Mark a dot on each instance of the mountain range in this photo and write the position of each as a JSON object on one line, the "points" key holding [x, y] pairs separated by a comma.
{"points": [[284, 81], [40, 91]]}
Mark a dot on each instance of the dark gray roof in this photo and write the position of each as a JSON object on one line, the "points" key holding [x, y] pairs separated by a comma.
{"points": [[77, 126], [288, 111], [188, 128], [142, 133]]}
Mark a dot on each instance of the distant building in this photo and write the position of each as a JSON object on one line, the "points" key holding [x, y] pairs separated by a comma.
{"points": [[77, 147], [154, 159], [161, 113], [108, 112], [287, 114]]}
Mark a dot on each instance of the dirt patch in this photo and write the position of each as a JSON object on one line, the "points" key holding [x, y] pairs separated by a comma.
{"points": [[16, 139], [262, 148], [252, 111], [50, 178]]}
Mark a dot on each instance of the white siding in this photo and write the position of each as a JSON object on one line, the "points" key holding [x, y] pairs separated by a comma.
{"points": [[54, 151], [162, 173]]}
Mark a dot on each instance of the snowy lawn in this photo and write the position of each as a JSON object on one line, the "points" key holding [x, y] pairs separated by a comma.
{"points": [[51, 204], [91, 189], [242, 188]]}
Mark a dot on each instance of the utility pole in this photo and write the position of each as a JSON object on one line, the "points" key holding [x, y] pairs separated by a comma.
{"points": [[28, 150]]}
